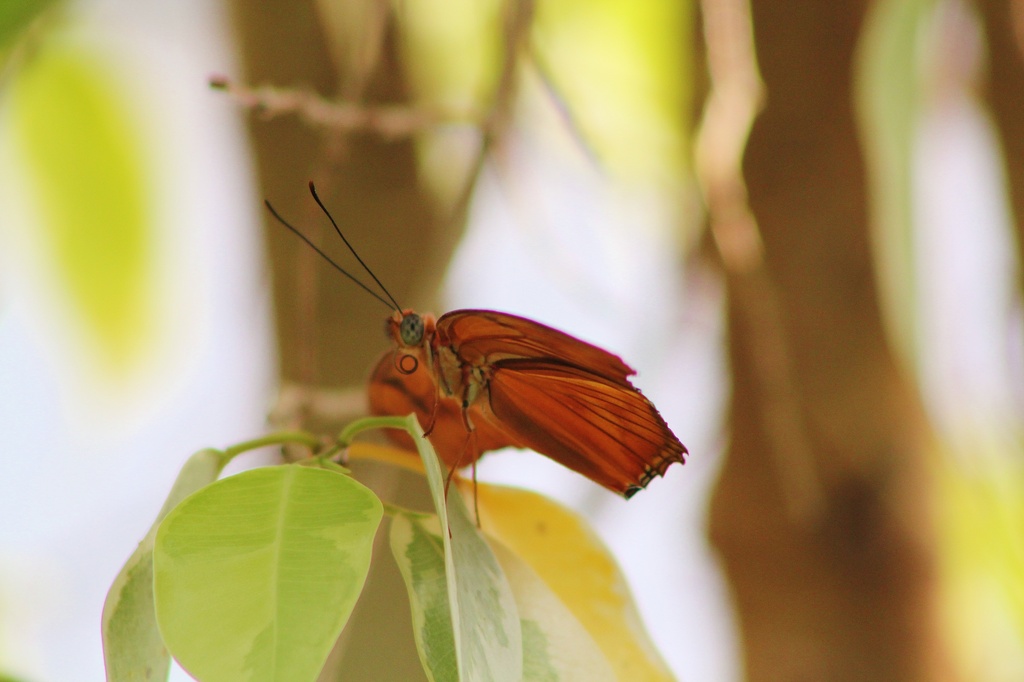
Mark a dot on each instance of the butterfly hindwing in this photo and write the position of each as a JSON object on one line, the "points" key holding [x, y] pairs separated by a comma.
{"points": [[610, 434]]}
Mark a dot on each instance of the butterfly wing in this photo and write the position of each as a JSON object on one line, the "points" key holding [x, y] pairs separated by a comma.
{"points": [[608, 432], [392, 392], [482, 337]]}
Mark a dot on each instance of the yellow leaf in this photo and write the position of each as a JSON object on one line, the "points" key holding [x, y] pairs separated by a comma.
{"points": [[555, 644], [405, 459], [578, 568]]}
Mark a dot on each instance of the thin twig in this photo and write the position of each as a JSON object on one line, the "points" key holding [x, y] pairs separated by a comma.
{"points": [[388, 121], [562, 106]]}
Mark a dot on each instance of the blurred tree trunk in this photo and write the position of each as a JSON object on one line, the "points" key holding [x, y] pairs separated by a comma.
{"points": [[329, 332], [845, 591], [1004, 26]]}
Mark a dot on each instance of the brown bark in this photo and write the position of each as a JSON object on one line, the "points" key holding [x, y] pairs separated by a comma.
{"points": [[329, 331], [844, 591], [1004, 28]]}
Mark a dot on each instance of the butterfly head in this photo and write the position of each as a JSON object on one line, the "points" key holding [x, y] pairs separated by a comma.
{"points": [[411, 333], [409, 329]]}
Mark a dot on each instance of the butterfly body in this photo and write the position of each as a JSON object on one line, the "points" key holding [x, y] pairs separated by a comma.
{"points": [[513, 382]]}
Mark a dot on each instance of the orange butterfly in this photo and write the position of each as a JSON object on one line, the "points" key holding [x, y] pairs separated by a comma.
{"points": [[480, 380], [513, 382]]}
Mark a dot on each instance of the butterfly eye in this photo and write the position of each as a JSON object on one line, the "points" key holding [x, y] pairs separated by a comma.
{"points": [[411, 329]]}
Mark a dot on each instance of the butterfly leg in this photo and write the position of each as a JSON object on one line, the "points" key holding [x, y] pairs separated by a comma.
{"points": [[433, 413], [458, 462], [471, 447], [471, 443], [448, 480], [476, 498]]}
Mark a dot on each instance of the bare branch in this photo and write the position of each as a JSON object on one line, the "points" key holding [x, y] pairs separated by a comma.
{"points": [[388, 121]]}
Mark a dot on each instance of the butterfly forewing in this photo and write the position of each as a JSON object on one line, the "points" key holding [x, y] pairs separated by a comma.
{"points": [[487, 336]]}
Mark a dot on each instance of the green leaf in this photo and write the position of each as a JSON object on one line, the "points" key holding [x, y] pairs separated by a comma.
{"points": [[419, 552], [570, 559], [86, 177], [554, 645], [132, 647], [485, 621], [15, 15], [8, 678], [257, 574]]}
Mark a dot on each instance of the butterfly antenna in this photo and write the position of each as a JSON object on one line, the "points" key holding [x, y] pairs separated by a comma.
{"points": [[325, 256], [316, 197]]}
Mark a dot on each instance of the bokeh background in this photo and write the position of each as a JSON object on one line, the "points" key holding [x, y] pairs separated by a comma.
{"points": [[800, 222]]}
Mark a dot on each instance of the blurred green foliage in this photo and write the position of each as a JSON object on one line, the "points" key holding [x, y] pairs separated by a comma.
{"points": [[86, 168]]}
